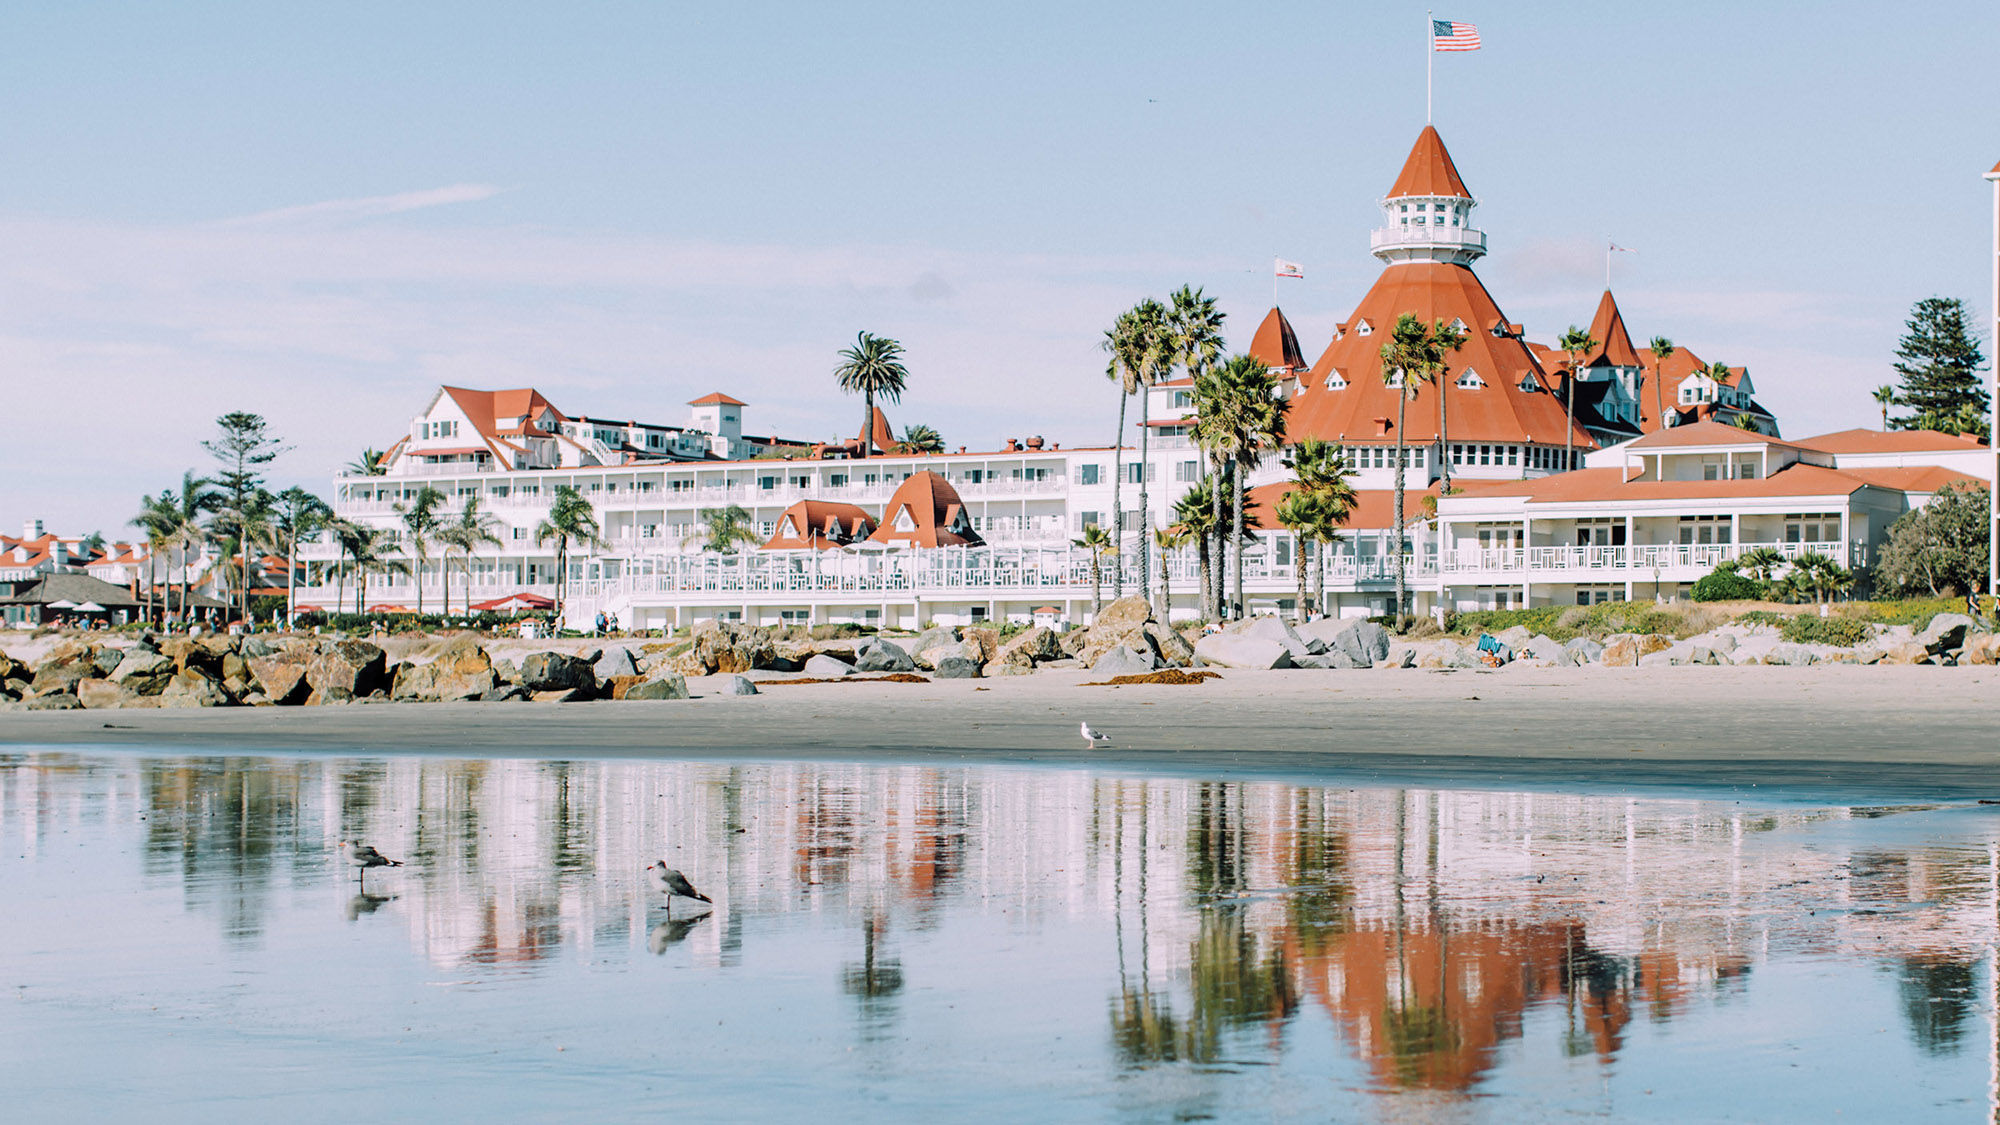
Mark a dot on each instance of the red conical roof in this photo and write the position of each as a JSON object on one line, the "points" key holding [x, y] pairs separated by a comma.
{"points": [[1608, 329], [1429, 170], [1276, 345], [1364, 410]]}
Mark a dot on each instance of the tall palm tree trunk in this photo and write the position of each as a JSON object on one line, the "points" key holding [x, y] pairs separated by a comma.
{"points": [[1299, 572], [1206, 562], [1214, 594], [1569, 420], [1236, 535], [1396, 513], [1444, 441], [867, 423], [1165, 609], [1145, 509], [1320, 548], [291, 579], [1117, 485]]}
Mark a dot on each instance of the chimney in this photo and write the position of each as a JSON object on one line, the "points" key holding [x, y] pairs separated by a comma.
{"points": [[1013, 445], [58, 554], [31, 529], [1035, 442]]}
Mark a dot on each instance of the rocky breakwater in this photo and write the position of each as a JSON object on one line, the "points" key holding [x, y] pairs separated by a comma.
{"points": [[1272, 642]]}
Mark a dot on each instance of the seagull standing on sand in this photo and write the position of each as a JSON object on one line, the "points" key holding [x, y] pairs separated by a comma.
{"points": [[364, 857], [673, 884], [1093, 737]]}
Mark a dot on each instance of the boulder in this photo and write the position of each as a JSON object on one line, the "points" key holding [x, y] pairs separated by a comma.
{"points": [[1073, 642], [1716, 641], [1625, 649], [1791, 654], [1401, 656], [1983, 648], [734, 684], [280, 679], [54, 701], [833, 632], [562, 695], [1663, 658], [1583, 650], [1324, 661], [827, 667], [544, 672], [935, 637], [62, 671], [961, 650], [1540, 649], [347, 670], [1032, 647], [1123, 661], [1514, 636], [100, 694], [505, 693], [985, 638], [670, 685], [720, 646], [146, 672], [1946, 631], [1703, 654], [1907, 653], [1278, 630], [1125, 612], [1362, 640], [507, 672], [616, 662], [1463, 656], [106, 660], [1001, 668], [189, 651], [958, 667], [1230, 650], [1174, 649], [190, 687], [885, 657]]}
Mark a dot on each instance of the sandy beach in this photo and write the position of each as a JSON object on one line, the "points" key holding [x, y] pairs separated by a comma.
{"points": [[1824, 732]]}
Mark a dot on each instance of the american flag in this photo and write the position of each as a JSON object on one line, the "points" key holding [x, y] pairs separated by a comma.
{"points": [[1449, 36]]}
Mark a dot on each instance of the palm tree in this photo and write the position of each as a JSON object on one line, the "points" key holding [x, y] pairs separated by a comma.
{"points": [[1167, 540], [1820, 575], [349, 536], [369, 547], [1744, 421], [1195, 520], [1416, 352], [1578, 343], [422, 521], [182, 513], [1663, 350], [156, 521], [1299, 513], [873, 366], [470, 530], [1139, 348], [1760, 563], [1190, 339], [1322, 471], [724, 528], [1099, 543], [1885, 397], [1448, 339], [297, 514], [570, 519], [1238, 412], [371, 463], [919, 439]]}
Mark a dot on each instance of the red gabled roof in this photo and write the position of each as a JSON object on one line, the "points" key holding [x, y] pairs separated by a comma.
{"points": [[809, 524], [1429, 170], [1706, 433], [1677, 367], [936, 515], [1500, 411], [1891, 441], [1611, 485], [1911, 478], [1275, 344], [1614, 346], [716, 398]]}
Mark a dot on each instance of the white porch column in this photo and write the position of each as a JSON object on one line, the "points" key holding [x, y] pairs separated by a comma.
{"points": [[1735, 534], [1846, 556], [1527, 569]]}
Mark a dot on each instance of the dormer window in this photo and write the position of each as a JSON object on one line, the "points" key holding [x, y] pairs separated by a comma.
{"points": [[1457, 324], [1470, 380], [1363, 329], [1335, 380], [1529, 382]]}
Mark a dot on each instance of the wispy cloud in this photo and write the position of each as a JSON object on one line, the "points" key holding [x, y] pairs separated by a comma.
{"points": [[367, 207]]}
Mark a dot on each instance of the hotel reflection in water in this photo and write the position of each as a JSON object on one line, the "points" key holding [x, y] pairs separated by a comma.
{"points": [[1426, 925]]}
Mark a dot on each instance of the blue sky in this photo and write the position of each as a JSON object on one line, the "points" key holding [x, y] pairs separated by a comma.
{"points": [[318, 212]]}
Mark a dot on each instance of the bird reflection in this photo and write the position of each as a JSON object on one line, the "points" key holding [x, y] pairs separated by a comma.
{"points": [[672, 932], [365, 903]]}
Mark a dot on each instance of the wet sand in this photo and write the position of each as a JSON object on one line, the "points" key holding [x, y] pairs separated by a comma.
{"points": [[1829, 732]]}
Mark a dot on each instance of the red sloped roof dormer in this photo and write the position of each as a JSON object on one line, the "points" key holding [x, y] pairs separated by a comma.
{"points": [[1429, 170]]}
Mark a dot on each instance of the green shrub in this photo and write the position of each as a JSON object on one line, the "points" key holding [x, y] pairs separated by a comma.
{"points": [[1812, 629], [1564, 623], [1727, 586], [1763, 617]]}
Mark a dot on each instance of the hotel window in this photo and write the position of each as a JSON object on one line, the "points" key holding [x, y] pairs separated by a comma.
{"points": [[1086, 474], [837, 480], [1183, 399], [1746, 471], [767, 484], [800, 482], [1134, 473], [1187, 472], [1086, 520], [1703, 530], [519, 533], [1710, 470], [680, 486], [1812, 528]]}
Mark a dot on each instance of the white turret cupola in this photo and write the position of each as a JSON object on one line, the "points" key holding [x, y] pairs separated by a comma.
{"points": [[1427, 215]]}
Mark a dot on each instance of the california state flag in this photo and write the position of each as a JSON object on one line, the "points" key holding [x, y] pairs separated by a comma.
{"points": [[1289, 269]]}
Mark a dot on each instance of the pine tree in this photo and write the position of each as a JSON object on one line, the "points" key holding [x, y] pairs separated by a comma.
{"points": [[1938, 361]]}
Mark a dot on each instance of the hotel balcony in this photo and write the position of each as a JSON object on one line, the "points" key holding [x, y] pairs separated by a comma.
{"points": [[1462, 238], [1681, 562]]}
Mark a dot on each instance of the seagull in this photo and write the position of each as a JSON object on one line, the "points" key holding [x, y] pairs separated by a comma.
{"points": [[1092, 736], [364, 857], [673, 884]]}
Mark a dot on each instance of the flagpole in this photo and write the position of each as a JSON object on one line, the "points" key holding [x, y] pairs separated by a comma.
{"points": [[1430, 50]]}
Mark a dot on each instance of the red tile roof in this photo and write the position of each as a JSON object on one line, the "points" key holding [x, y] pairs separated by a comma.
{"points": [[935, 513], [1364, 410], [1614, 346], [1911, 478], [1705, 433], [1373, 509], [811, 524], [1276, 345], [1891, 441], [1429, 170], [1586, 486], [716, 398]]}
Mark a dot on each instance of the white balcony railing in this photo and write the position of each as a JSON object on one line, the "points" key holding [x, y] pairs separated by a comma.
{"points": [[1677, 559], [1427, 235]]}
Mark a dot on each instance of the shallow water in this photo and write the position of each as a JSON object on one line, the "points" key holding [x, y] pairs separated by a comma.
{"points": [[183, 941]]}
